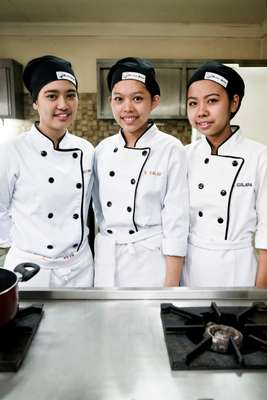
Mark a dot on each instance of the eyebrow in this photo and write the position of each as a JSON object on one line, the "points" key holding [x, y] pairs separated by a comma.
{"points": [[208, 95], [133, 94], [57, 91]]}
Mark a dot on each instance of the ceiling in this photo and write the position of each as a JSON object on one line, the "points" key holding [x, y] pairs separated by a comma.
{"points": [[150, 11]]}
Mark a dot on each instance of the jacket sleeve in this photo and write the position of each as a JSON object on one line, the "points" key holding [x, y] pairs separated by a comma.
{"points": [[7, 184], [261, 201], [175, 208]]}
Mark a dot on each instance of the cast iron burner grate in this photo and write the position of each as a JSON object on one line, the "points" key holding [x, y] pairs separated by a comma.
{"points": [[189, 347], [17, 335]]}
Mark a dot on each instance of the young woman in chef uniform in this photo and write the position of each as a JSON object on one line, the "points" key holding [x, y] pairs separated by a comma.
{"points": [[46, 182], [228, 187], [140, 192]]}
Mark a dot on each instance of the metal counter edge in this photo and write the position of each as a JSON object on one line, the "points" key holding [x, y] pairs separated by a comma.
{"points": [[181, 293]]}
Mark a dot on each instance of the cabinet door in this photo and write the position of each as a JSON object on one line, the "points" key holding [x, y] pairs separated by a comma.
{"points": [[11, 89], [5, 101], [170, 80]]}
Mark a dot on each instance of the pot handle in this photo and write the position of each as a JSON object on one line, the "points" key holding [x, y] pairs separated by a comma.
{"points": [[27, 270]]}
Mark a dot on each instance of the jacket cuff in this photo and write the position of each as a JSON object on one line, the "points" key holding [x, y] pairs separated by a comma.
{"points": [[174, 247], [260, 243]]}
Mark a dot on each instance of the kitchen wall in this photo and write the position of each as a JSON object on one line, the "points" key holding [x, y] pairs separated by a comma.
{"points": [[84, 43], [264, 40], [252, 116]]}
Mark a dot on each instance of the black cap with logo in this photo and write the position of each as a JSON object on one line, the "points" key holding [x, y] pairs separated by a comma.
{"points": [[43, 70], [136, 69]]}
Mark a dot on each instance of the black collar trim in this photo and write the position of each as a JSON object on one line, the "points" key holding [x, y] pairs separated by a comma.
{"points": [[150, 124], [36, 124], [234, 129]]}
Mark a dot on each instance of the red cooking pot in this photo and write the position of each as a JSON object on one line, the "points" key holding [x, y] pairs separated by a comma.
{"points": [[9, 288]]}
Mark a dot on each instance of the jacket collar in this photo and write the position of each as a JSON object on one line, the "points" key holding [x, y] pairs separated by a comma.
{"points": [[228, 145], [44, 142], [144, 140]]}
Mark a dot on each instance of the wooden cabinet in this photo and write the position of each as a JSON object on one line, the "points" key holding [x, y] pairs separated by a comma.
{"points": [[11, 89], [172, 76]]}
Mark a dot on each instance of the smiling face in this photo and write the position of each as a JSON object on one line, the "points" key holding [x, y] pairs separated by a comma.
{"points": [[131, 105], [209, 109], [57, 105]]}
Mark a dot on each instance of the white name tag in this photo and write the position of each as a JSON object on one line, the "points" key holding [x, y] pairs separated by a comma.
{"points": [[216, 78], [134, 75], [66, 75]]}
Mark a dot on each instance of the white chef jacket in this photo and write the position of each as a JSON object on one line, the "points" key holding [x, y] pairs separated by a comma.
{"points": [[141, 206], [228, 197], [44, 199]]}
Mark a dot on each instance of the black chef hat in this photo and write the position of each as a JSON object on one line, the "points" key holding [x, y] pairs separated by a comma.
{"points": [[224, 76], [134, 68], [43, 70]]}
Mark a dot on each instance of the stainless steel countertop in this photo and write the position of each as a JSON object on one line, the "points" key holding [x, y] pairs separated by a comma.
{"points": [[90, 346]]}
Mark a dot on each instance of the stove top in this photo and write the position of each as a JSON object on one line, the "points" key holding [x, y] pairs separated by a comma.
{"points": [[213, 337], [17, 335]]}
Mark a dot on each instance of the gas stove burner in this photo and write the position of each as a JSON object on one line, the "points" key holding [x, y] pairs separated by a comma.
{"points": [[223, 337], [213, 337], [260, 306], [17, 335]]}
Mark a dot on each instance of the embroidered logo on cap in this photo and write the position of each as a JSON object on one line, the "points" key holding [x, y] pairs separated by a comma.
{"points": [[134, 75], [66, 75], [216, 78]]}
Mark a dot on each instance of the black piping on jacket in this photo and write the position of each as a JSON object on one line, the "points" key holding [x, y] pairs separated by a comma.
{"points": [[236, 127], [148, 149], [56, 148]]}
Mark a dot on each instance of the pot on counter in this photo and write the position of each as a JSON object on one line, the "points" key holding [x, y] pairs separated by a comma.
{"points": [[9, 288]]}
